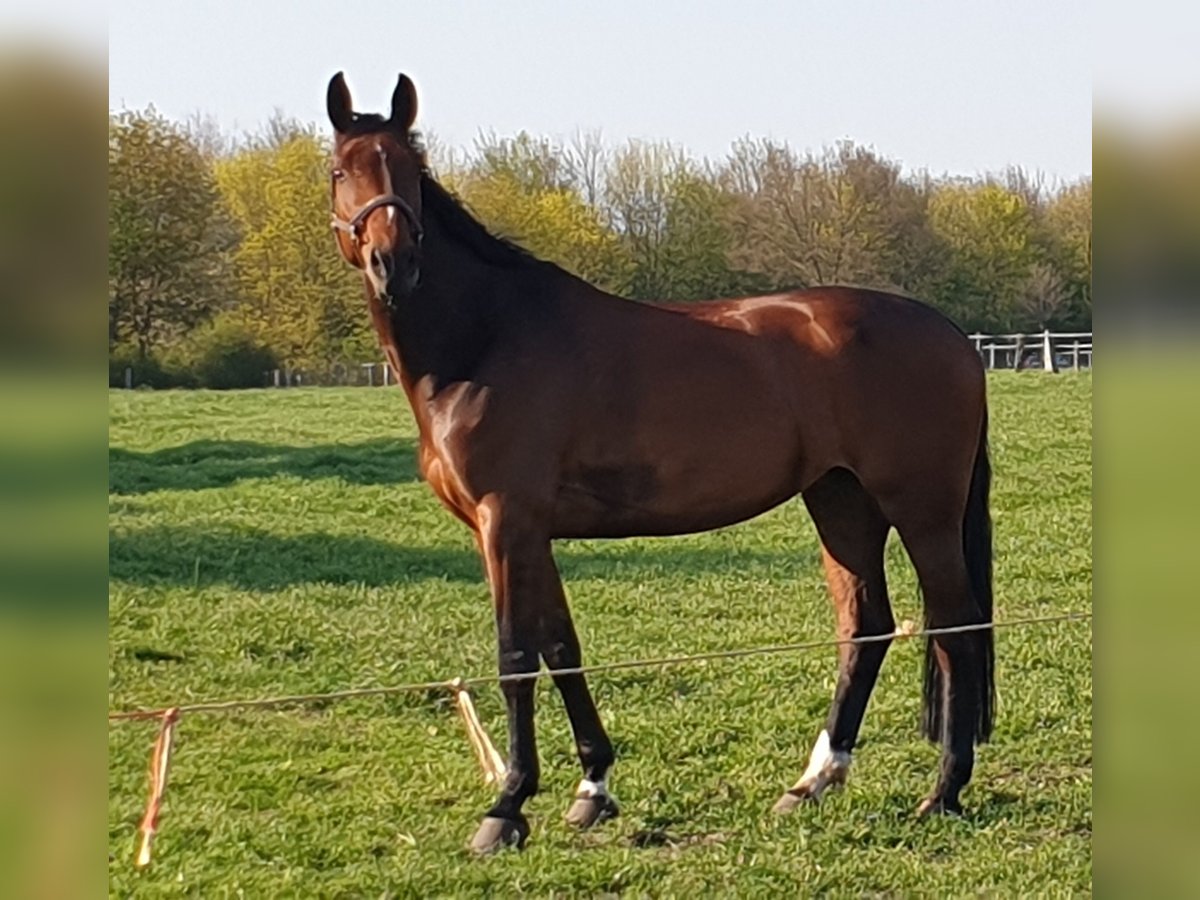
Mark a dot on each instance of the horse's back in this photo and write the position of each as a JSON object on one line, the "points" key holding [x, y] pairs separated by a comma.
{"points": [[902, 388], [831, 322], [843, 340]]}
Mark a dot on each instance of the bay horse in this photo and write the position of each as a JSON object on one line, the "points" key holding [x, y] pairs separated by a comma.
{"points": [[548, 409]]}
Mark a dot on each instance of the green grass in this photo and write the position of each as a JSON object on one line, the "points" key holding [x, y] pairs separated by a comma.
{"points": [[267, 542]]}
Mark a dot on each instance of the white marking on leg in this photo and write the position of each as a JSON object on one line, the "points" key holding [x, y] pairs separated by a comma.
{"points": [[592, 788], [826, 766]]}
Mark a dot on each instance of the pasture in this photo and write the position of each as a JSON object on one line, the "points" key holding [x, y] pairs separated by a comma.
{"points": [[273, 542]]}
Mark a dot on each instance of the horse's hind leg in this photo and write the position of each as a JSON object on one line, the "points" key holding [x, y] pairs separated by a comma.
{"points": [[958, 666], [853, 532]]}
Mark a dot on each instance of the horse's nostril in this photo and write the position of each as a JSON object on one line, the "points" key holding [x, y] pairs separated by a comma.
{"points": [[381, 263]]}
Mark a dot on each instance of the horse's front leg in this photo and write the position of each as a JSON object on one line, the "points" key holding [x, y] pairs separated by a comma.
{"points": [[514, 553]]}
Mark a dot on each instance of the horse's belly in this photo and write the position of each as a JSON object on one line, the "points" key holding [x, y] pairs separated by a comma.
{"points": [[680, 489]]}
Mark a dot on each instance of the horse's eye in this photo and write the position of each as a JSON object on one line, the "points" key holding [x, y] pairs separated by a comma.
{"points": [[338, 174]]}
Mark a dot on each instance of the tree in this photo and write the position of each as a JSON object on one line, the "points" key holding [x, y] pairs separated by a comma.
{"points": [[533, 164], [673, 220], [1069, 222], [167, 233], [1045, 296], [295, 294], [636, 195], [205, 132], [552, 222], [987, 232], [524, 189], [695, 251], [844, 216], [587, 159]]}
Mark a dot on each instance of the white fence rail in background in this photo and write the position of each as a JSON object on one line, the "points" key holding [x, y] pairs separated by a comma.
{"points": [[1048, 350]]}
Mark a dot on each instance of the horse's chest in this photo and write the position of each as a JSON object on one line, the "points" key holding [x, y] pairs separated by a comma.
{"points": [[446, 481], [445, 448]]}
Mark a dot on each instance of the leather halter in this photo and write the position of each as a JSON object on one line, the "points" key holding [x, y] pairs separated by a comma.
{"points": [[353, 225]]}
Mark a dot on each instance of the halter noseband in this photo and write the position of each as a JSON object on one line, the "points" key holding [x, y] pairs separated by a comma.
{"points": [[352, 225]]}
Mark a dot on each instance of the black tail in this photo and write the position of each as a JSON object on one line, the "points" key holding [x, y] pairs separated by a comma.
{"points": [[977, 548]]}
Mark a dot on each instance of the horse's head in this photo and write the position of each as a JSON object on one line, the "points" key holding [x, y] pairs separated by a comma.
{"points": [[376, 189]]}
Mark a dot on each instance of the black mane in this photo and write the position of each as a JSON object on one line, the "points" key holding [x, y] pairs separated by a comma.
{"points": [[451, 213], [458, 222]]}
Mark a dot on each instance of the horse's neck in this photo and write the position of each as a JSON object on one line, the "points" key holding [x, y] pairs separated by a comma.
{"points": [[438, 335]]}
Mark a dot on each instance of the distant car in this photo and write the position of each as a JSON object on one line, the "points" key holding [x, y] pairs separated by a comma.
{"points": [[1032, 359]]}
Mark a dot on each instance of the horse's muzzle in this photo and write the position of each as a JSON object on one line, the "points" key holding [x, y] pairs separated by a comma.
{"points": [[401, 286], [394, 275]]}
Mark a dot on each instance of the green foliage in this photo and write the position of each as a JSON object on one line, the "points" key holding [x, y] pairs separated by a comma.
{"points": [[695, 250], [167, 235], [673, 220], [148, 370], [1069, 228], [277, 542], [200, 225], [226, 354], [551, 222], [221, 354], [532, 165], [987, 232], [296, 294]]}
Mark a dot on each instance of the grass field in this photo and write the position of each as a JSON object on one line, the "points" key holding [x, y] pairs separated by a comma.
{"points": [[280, 542]]}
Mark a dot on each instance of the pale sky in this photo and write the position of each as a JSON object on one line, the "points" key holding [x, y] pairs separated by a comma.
{"points": [[945, 85]]}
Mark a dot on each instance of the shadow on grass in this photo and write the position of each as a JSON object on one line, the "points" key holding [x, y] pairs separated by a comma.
{"points": [[208, 464], [666, 558], [983, 809], [994, 806], [252, 559]]}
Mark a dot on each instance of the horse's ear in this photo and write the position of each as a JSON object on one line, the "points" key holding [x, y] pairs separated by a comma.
{"points": [[404, 103], [338, 105]]}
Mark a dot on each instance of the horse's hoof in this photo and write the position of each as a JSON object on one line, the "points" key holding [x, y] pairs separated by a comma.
{"points": [[793, 798], [588, 811], [495, 834], [939, 806]]}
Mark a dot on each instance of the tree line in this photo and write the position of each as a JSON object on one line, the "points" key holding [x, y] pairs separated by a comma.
{"points": [[221, 264]]}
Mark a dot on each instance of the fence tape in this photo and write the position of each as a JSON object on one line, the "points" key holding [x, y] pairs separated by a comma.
{"points": [[490, 760]]}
